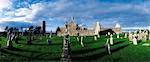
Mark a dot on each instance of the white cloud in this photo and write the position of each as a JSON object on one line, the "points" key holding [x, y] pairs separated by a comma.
{"points": [[22, 12], [5, 4]]}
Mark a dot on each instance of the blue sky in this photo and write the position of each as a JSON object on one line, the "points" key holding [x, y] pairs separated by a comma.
{"points": [[131, 14]]}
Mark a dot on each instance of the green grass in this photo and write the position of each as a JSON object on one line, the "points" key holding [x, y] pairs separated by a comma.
{"points": [[40, 51]]}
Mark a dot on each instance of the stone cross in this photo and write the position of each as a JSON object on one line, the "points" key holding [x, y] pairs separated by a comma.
{"points": [[66, 54], [10, 41], [107, 46]]}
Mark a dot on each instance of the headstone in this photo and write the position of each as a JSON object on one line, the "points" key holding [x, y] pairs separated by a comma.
{"points": [[134, 40], [98, 36], [82, 41], [108, 33], [111, 39], [125, 35], [144, 38], [10, 39], [0, 47], [49, 41], [139, 36], [149, 36], [130, 36], [95, 38], [107, 46], [117, 35], [77, 38]]}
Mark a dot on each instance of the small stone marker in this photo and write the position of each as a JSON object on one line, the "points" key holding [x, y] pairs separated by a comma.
{"points": [[49, 41], [134, 40], [146, 44], [117, 35], [95, 38]]}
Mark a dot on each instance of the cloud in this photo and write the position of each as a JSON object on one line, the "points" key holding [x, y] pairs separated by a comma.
{"points": [[5, 4], [56, 12]]}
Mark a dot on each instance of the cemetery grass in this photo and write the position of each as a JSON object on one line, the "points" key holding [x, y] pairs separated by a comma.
{"points": [[40, 51]]}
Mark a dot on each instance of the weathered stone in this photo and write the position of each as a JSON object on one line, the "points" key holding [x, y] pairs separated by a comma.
{"points": [[125, 35], [134, 40], [111, 39], [82, 41], [95, 38], [107, 46]]}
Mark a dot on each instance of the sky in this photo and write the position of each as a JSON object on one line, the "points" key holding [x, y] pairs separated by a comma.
{"points": [[131, 14]]}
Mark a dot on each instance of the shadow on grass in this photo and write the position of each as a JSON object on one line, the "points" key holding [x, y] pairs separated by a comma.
{"points": [[47, 44], [86, 50], [118, 42], [22, 50], [9, 52], [29, 57], [97, 56]]}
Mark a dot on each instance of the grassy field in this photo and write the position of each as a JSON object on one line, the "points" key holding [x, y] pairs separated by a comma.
{"points": [[40, 51]]}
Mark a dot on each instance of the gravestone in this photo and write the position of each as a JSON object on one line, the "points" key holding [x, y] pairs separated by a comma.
{"points": [[125, 35], [149, 36], [130, 36], [134, 40], [30, 31], [49, 41], [66, 54], [10, 41], [50, 35], [108, 33], [11, 36], [111, 39], [81, 42], [0, 47], [144, 38], [107, 47], [98, 36], [95, 38], [117, 35], [78, 36]]}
